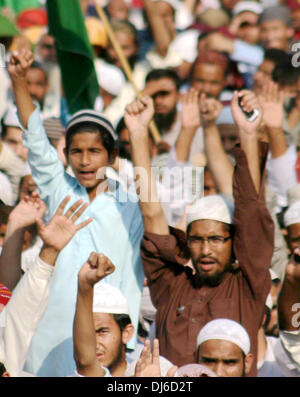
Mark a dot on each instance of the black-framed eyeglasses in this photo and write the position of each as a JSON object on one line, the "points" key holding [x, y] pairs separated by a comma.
{"points": [[215, 241]]}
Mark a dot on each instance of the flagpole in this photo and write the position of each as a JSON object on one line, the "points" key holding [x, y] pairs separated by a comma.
{"points": [[124, 62]]}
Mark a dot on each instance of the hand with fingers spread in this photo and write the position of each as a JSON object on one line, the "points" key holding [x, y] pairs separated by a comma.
{"points": [[147, 365], [61, 227], [19, 63], [271, 100], [97, 267], [27, 211], [138, 116], [249, 102], [210, 109], [190, 110]]}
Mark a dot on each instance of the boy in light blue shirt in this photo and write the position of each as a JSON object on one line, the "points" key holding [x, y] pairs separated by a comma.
{"points": [[116, 231]]}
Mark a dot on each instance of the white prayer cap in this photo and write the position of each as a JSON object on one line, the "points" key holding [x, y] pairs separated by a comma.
{"points": [[185, 45], [10, 119], [292, 214], [225, 329], [225, 117], [212, 207], [110, 78], [250, 6], [109, 299]]}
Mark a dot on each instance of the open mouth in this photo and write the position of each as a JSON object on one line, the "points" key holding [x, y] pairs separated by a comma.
{"points": [[207, 264], [87, 174]]}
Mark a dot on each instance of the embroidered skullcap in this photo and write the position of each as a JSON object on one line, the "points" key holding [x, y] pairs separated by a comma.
{"points": [[225, 329], [109, 299]]}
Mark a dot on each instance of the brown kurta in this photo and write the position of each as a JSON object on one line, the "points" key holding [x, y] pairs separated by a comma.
{"points": [[183, 309]]}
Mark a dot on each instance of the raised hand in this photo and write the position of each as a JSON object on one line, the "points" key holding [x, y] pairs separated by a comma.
{"points": [[27, 211], [138, 116], [95, 269], [271, 100], [249, 102], [190, 110], [19, 63], [61, 227], [148, 366], [210, 109]]}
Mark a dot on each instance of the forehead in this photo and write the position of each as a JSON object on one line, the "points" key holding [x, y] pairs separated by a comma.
{"points": [[209, 71], [36, 74], [14, 132], [273, 24], [104, 320], [124, 37], [220, 349], [85, 140], [294, 230], [207, 226], [164, 84]]}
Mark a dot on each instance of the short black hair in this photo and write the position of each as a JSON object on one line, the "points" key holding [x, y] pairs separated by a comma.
{"points": [[277, 56], [122, 320], [2, 369], [157, 74], [285, 73], [88, 126]]}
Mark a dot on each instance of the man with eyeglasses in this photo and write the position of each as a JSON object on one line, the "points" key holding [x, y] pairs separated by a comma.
{"points": [[228, 257]]}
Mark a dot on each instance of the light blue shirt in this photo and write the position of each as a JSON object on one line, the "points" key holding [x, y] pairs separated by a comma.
{"points": [[116, 231]]}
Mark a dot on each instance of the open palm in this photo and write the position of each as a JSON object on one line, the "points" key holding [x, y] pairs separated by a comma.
{"points": [[62, 228], [28, 210]]}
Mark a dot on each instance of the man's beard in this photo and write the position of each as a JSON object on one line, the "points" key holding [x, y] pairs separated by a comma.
{"points": [[213, 280], [165, 121], [117, 359]]}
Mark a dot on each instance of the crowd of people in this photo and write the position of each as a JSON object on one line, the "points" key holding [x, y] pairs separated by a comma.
{"points": [[156, 234]]}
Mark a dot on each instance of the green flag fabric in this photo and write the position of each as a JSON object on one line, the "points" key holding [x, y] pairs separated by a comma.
{"points": [[74, 54], [20, 5]]}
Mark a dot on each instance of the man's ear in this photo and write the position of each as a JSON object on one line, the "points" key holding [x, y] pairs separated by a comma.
{"points": [[127, 333], [248, 363], [5, 375]]}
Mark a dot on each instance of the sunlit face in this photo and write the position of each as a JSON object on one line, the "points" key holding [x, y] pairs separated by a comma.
{"points": [[263, 74], [128, 45], [225, 358], [229, 135], [210, 258], [110, 349], [13, 138], [37, 84], [275, 34], [209, 78], [86, 156]]}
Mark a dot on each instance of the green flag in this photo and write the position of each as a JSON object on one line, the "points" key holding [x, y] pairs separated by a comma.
{"points": [[20, 5], [74, 54]]}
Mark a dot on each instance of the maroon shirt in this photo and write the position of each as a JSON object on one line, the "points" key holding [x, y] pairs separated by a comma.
{"points": [[183, 309]]}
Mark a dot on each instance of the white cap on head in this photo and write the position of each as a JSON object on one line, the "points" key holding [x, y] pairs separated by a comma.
{"points": [[212, 207], [110, 78], [292, 214], [250, 6], [109, 299], [10, 118], [225, 329]]}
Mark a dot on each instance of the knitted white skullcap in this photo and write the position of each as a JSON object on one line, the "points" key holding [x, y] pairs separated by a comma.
{"points": [[212, 207], [225, 329], [109, 299]]}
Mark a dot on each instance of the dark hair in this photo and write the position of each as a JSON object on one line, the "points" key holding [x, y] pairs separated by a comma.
{"points": [[87, 126], [277, 56], [2, 369], [157, 74], [122, 320], [285, 73]]}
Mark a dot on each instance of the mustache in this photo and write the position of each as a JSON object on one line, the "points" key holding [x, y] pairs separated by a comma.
{"points": [[201, 257]]}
